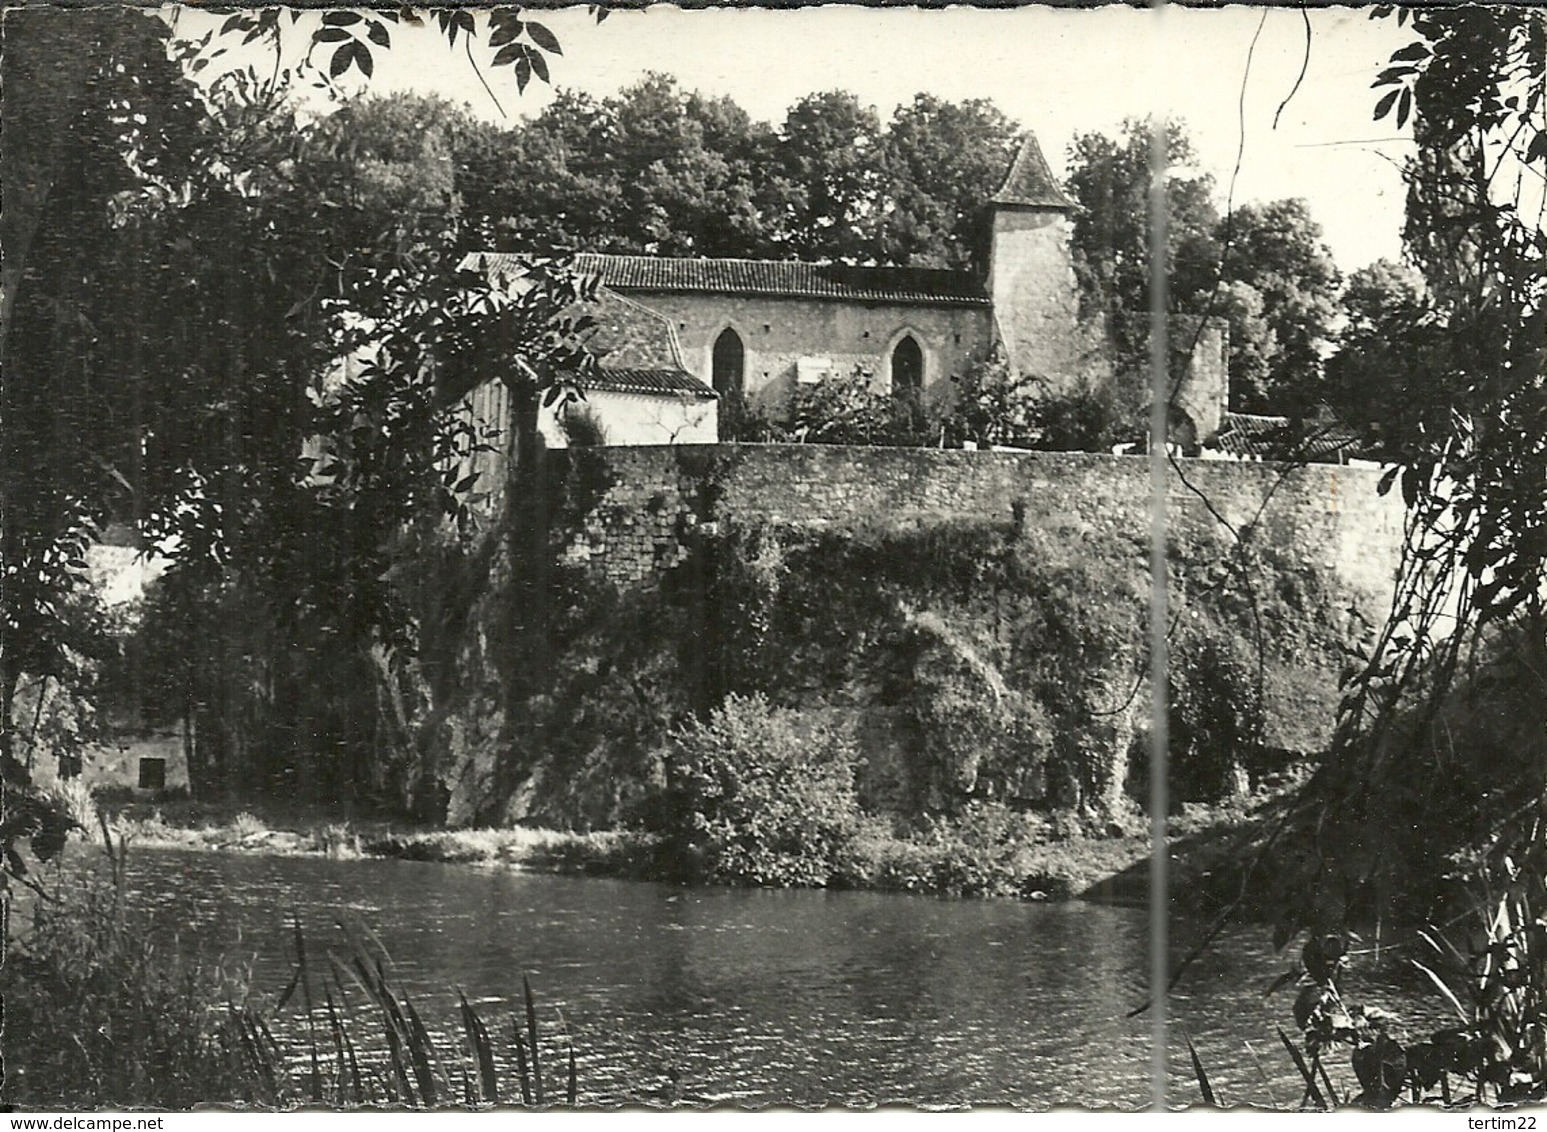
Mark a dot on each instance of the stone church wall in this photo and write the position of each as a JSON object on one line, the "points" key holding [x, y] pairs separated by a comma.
{"points": [[777, 332]]}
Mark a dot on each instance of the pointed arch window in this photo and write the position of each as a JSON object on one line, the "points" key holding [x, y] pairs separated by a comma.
{"points": [[730, 362], [728, 366], [907, 369]]}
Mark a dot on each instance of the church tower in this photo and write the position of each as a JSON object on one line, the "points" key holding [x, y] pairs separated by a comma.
{"points": [[1030, 272]]}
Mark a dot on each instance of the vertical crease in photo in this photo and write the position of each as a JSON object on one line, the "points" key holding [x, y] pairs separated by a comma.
{"points": [[1160, 400]]}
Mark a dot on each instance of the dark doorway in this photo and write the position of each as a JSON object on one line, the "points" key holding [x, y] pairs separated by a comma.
{"points": [[729, 365], [907, 370]]}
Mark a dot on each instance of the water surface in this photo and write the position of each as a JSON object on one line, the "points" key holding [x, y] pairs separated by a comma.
{"points": [[759, 997]]}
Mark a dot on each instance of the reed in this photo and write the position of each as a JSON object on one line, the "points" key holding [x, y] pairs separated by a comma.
{"points": [[1493, 977], [408, 1065], [113, 1021]]}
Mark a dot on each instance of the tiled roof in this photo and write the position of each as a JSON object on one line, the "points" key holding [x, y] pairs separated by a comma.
{"points": [[1030, 181], [1249, 436], [673, 382], [630, 336], [778, 278], [785, 279]]}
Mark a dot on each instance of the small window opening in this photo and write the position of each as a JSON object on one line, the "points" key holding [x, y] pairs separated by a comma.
{"points": [[153, 774]]}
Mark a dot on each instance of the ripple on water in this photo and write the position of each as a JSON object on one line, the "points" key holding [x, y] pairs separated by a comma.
{"points": [[754, 998]]}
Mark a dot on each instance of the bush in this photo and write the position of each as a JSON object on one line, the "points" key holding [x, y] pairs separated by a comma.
{"points": [[76, 800], [847, 410], [977, 852], [582, 427], [1083, 419], [109, 1019], [978, 738], [993, 405], [761, 795], [1215, 715]]}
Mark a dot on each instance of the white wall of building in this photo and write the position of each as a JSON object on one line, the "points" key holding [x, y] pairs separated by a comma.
{"points": [[639, 418]]}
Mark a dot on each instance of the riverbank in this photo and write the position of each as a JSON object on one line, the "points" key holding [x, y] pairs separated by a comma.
{"points": [[1206, 842]]}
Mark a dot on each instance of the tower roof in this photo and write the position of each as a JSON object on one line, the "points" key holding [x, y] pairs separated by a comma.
{"points": [[1030, 183]]}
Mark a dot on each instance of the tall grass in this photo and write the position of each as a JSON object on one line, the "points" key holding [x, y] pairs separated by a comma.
{"points": [[1490, 970], [99, 1015]]}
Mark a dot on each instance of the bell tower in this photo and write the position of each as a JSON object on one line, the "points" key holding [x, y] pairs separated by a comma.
{"points": [[1030, 272]]}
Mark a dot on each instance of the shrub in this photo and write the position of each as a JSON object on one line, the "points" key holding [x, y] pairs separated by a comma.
{"points": [[748, 421], [762, 795], [75, 799], [978, 738], [1215, 715], [976, 852], [993, 405], [847, 410], [1085, 418], [109, 1019], [247, 824], [978, 849], [582, 427]]}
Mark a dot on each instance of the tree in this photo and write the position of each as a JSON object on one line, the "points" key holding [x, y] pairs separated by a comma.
{"points": [[181, 272], [657, 170], [70, 161], [1392, 358], [1110, 180], [1276, 250], [1263, 270], [829, 151], [390, 162], [743, 213], [548, 184], [941, 162], [1402, 791], [652, 170], [681, 163]]}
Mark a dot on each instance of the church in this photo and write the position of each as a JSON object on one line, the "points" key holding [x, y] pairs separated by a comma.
{"points": [[679, 338]]}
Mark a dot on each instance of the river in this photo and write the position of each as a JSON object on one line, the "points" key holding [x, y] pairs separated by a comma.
{"points": [[754, 997]]}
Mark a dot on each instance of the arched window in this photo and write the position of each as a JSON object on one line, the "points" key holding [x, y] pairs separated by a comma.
{"points": [[730, 359], [729, 368], [907, 369]]}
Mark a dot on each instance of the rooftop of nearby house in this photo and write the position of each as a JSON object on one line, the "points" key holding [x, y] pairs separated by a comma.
{"points": [[636, 348], [656, 382], [1322, 441], [785, 279]]}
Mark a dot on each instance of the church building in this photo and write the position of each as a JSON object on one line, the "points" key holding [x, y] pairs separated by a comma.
{"points": [[678, 339]]}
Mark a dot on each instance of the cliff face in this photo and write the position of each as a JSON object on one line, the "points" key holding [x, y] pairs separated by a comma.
{"points": [[977, 619]]}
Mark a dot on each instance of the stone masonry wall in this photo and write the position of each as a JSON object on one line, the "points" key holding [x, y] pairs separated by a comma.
{"points": [[1331, 517], [1031, 278], [776, 333]]}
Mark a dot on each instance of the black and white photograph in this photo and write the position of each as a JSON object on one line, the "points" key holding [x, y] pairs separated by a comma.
{"points": [[642, 558]]}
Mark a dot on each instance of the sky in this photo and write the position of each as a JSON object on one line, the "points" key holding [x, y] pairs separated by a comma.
{"points": [[1057, 71]]}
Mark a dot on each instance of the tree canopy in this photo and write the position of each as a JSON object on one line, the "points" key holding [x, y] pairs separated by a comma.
{"points": [[185, 267], [1438, 761], [1261, 269], [659, 170]]}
